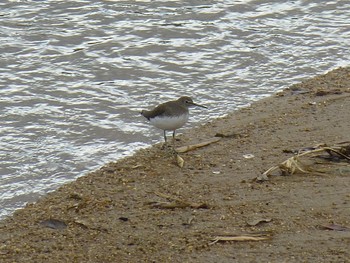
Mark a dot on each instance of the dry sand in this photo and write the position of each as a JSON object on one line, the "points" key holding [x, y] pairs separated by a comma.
{"points": [[145, 208]]}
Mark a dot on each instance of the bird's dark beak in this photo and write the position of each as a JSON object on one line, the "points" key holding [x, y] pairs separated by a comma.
{"points": [[198, 105]]}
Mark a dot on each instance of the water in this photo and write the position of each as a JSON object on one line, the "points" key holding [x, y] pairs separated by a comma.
{"points": [[74, 75]]}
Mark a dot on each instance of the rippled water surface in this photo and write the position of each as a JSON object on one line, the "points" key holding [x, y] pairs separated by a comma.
{"points": [[74, 75]]}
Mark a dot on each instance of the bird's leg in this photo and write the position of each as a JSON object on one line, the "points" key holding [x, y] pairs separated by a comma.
{"points": [[174, 151], [165, 140], [174, 139], [165, 137]]}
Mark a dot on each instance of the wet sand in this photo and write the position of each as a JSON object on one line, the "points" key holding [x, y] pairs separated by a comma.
{"points": [[145, 208]]}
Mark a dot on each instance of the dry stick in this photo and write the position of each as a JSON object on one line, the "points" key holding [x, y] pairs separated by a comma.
{"points": [[192, 147], [341, 154], [178, 202], [170, 205], [324, 149], [238, 238]]}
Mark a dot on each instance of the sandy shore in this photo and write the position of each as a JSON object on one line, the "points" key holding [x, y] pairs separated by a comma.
{"points": [[146, 209]]}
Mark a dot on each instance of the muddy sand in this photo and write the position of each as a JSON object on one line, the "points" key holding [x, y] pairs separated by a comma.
{"points": [[145, 208]]}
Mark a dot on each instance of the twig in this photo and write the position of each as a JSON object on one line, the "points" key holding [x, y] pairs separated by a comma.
{"points": [[337, 152], [177, 203], [192, 147], [243, 237]]}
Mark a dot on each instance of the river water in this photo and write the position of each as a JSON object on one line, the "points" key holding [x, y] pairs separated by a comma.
{"points": [[75, 74]]}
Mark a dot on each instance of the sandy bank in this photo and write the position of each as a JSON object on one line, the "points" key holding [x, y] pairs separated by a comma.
{"points": [[119, 213]]}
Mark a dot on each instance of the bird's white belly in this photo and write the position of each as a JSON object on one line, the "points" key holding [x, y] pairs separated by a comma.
{"points": [[169, 123]]}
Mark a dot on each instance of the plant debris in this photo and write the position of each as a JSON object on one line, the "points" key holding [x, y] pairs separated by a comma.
{"points": [[259, 221], [54, 224], [241, 237], [227, 135], [179, 160], [294, 165], [322, 92], [192, 147], [176, 203], [335, 227]]}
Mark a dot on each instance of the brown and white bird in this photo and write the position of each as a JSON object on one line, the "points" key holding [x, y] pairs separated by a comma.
{"points": [[171, 115]]}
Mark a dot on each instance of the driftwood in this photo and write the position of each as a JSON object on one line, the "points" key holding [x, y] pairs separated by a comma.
{"points": [[192, 147]]}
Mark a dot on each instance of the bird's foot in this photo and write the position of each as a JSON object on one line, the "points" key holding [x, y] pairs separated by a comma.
{"points": [[169, 148], [165, 146]]}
